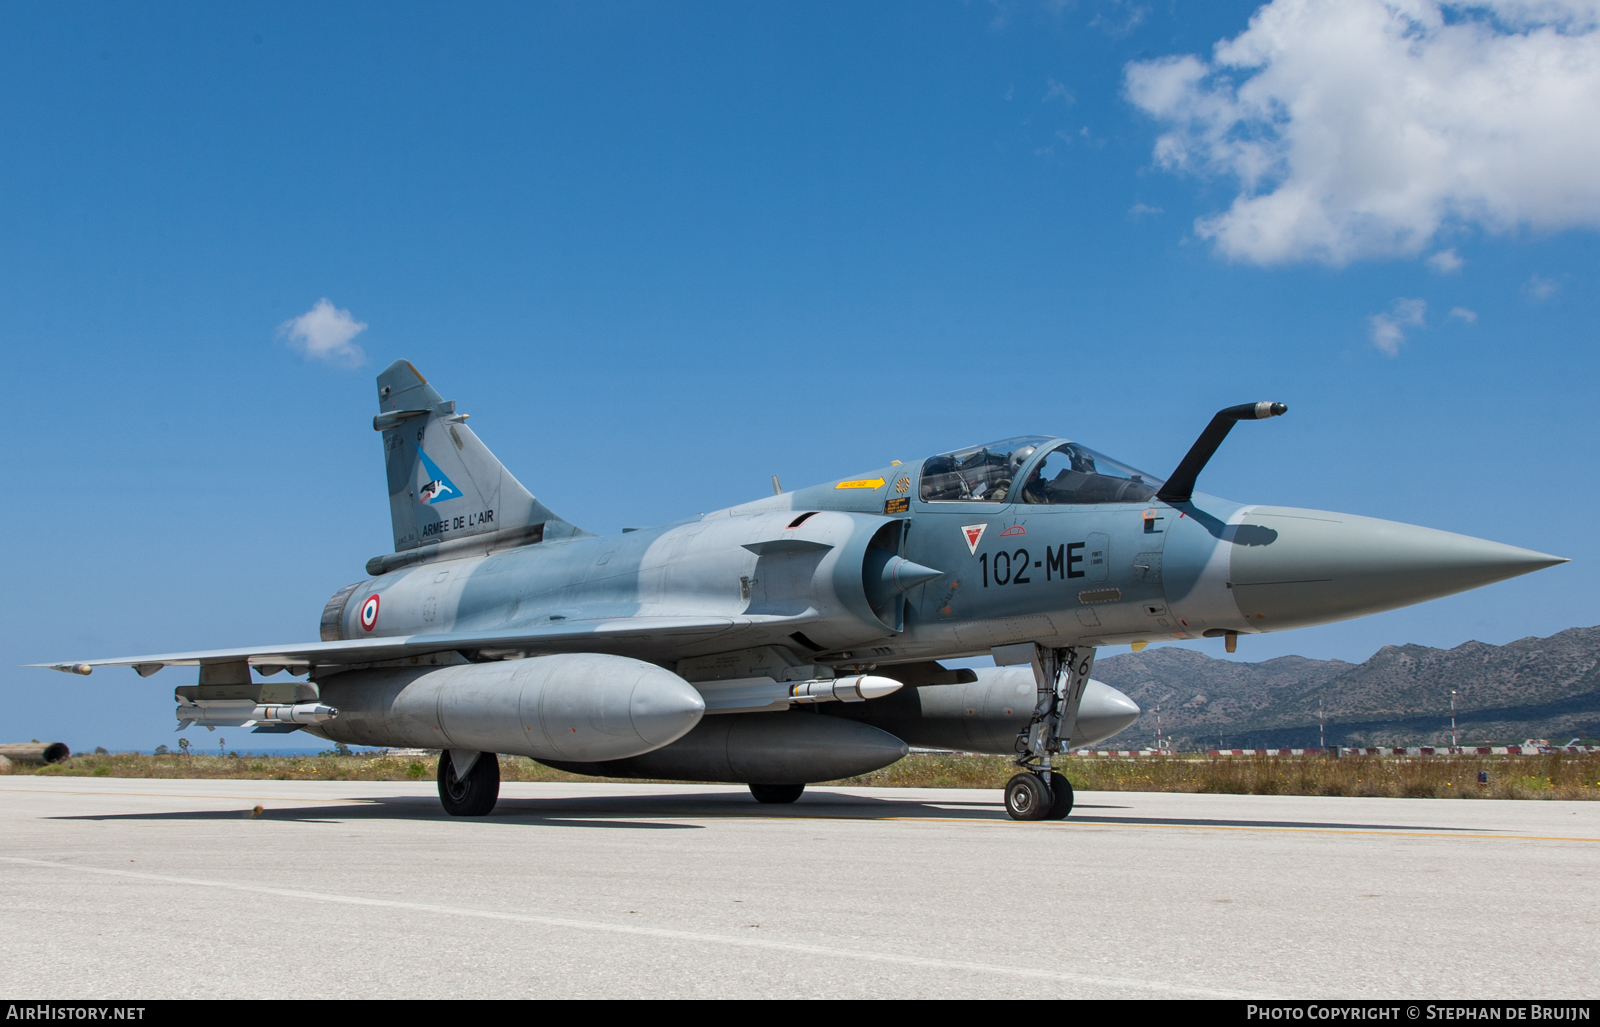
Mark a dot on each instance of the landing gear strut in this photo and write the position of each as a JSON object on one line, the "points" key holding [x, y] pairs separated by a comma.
{"points": [[474, 793], [1040, 792]]}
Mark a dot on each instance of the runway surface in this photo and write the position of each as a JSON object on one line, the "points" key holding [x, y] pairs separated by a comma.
{"points": [[143, 888]]}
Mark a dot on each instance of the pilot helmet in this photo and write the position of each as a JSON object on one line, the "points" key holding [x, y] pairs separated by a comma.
{"points": [[1020, 457]]}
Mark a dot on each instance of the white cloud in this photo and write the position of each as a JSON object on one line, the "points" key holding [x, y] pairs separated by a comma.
{"points": [[325, 333], [1462, 313], [1088, 139], [1120, 18], [1542, 288], [1358, 128], [1389, 330], [1446, 262], [1057, 91], [1142, 209]]}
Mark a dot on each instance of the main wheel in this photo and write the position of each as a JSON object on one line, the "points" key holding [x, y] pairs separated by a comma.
{"points": [[473, 795], [1028, 797], [1061, 794], [776, 793]]}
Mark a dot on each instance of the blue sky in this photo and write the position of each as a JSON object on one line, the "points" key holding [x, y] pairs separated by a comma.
{"points": [[663, 251]]}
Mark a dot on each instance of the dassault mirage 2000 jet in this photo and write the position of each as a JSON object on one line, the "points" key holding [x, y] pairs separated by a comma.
{"points": [[795, 639]]}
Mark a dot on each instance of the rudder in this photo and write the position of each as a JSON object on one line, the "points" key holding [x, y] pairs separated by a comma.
{"points": [[443, 482]]}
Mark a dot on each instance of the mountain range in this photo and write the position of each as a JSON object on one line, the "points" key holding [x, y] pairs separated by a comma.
{"points": [[1530, 688]]}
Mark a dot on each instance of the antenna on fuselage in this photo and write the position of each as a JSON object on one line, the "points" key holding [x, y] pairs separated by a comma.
{"points": [[777, 489]]}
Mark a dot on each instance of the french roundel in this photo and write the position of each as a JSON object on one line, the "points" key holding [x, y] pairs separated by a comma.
{"points": [[369, 613]]}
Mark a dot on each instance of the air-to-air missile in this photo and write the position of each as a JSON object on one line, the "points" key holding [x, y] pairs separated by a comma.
{"points": [[796, 638]]}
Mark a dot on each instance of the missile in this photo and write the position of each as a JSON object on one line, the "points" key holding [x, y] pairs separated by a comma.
{"points": [[741, 695], [856, 688], [244, 712], [298, 713]]}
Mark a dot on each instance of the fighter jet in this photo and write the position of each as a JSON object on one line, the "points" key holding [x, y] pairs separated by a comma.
{"points": [[797, 638]]}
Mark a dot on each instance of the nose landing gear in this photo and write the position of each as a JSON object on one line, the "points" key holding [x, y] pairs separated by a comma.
{"points": [[1030, 797], [1040, 792]]}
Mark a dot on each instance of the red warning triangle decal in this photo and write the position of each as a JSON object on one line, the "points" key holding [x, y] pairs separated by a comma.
{"points": [[974, 533]]}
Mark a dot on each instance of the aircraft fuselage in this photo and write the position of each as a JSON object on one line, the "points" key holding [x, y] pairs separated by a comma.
{"points": [[1066, 575]]}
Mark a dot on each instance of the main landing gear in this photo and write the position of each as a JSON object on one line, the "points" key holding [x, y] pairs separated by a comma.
{"points": [[474, 791], [1039, 792], [776, 793]]}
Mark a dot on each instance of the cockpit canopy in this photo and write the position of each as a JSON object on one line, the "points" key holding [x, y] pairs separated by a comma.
{"points": [[1049, 471], [982, 474]]}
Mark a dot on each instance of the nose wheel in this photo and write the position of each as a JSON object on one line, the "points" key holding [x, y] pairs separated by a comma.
{"points": [[1060, 796], [1030, 797], [1039, 792]]}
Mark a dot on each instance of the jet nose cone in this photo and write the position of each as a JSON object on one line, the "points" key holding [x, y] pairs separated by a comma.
{"points": [[1296, 567]]}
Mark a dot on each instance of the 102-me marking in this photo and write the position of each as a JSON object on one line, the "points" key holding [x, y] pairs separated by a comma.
{"points": [[1012, 568]]}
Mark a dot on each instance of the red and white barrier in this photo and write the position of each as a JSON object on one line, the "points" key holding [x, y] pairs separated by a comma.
{"points": [[1469, 750], [1422, 750]]}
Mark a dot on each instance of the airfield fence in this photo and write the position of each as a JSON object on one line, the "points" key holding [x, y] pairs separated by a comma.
{"points": [[1552, 775]]}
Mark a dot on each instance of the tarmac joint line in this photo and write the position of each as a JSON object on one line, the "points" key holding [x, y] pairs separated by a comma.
{"points": [[803, 948]]}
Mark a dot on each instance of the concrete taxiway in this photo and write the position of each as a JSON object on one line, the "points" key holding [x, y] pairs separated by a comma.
{"points": [[144, 888]]}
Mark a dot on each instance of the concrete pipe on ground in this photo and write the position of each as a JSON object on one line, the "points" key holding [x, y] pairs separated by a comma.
{"points": [[35, 752]]}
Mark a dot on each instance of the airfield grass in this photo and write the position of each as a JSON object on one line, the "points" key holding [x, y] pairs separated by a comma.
{"points": [[1555, 776]]}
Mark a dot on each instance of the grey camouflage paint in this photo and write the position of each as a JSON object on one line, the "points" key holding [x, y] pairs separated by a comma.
{"points": [[483, 569]]}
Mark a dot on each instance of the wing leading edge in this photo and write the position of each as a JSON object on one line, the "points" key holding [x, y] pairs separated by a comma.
{"points": [[600, 635]]}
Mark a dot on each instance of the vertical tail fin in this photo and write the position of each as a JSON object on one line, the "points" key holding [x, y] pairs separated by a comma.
{"points": [[443, 482]]}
